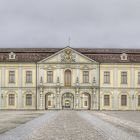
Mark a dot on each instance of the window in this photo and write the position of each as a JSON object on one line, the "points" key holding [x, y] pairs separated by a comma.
{"points": [[85, 103], [106, 100], [123, 77], [138, 100], [11, 99], [138, 77], [49, 76], [11, 76], [49, 103], [124, 100], [28, 76], [67, 77], [12, 55], [123, 56], [106, 77], [28, 99], [85, 77]]}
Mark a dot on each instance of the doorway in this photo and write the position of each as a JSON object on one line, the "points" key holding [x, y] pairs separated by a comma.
{"points": [[67, 101]]}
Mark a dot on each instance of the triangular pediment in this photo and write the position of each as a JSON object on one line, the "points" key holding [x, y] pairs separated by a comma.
{"points": [[67, 55]]}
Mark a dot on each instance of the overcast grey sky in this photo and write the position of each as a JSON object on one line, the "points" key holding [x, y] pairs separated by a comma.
{"points": [[89, 23]]}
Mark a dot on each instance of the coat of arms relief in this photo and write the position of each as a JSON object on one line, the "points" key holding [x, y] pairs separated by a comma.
{"points": [[68, 56]]}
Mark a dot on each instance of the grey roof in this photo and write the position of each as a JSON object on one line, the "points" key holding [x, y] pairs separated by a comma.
{"points": [[102, 55]]}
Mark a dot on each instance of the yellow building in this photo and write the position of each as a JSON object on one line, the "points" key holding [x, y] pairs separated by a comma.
{"points": [[52, 78]]}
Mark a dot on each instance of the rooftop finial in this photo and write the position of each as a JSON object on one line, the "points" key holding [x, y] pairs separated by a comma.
{"points": [[69, 41]]}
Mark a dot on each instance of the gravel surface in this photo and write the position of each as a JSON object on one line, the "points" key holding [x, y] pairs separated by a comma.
{"points": [[29, 128], [67, 126], [128, 120], [133, 116], [75, 125], [111, 131], [12, 119]]}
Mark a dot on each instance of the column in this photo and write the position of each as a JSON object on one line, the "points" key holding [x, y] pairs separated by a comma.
{"points": [[77, 104], [115, 100], [94, 99], [2, 85], [1, 90], [81, 102], [58, 103], [20, 98], [132, 100], [1, 96], [41, 99]]}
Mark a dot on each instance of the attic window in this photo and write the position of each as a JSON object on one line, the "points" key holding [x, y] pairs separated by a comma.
{"points": [[12, 55], [123, 56]]}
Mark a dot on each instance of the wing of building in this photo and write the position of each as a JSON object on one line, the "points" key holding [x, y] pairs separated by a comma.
{"points": [[67, 78]]}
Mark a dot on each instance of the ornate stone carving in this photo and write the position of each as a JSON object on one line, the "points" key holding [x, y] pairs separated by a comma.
{"points": [[68, 56]]}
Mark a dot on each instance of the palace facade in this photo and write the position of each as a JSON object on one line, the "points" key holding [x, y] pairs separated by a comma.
{"points": [[52, 78]]}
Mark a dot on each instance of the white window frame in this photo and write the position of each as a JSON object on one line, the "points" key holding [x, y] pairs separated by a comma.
{"points": [[11, 76], [12, 55], [29, 76], [85, 76]]}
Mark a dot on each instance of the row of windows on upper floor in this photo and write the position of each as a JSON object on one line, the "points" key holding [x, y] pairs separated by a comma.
{"points": [[124, 77], [12, 76], [68, 77], [49, 77]]}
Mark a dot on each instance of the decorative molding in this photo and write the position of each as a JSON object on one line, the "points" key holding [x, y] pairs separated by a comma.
{"points": [[68, 56]]}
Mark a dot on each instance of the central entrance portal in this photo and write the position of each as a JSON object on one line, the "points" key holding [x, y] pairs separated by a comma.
{"points": [[67, 101]]}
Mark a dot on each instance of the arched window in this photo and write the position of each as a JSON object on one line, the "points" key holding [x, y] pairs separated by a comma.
{"points": [[11, 100], [28, 99], [67, 77]]}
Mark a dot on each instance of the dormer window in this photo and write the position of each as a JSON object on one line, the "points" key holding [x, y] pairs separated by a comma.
{"points": [[12, 55], [123, 56]]}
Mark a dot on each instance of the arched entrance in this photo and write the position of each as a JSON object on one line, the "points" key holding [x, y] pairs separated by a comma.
{"points": [[49, 101], [67, 101], [86, 101]]}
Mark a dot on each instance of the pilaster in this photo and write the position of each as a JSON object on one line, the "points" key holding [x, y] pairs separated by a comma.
{"points": [[77, 101], [41, 98], [20, 100]]}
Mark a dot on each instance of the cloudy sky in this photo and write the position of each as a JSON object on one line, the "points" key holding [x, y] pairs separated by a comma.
{"points": [[89, 23]]}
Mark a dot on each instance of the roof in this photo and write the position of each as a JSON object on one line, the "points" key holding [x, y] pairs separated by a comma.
{"points": [[102, 55]]}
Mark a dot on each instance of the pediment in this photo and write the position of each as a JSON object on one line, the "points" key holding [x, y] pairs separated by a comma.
{"points": [[67, 55]]}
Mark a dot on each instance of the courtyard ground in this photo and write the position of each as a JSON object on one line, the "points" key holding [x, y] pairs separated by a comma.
{"points": [[12, 119], [72, 125]]}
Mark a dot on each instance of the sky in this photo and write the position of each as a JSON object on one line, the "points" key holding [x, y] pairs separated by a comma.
{"points": [[78, 23]]}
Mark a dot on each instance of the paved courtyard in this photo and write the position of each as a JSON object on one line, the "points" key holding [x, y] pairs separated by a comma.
{"points": [[12, 119], [75, 125]]}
